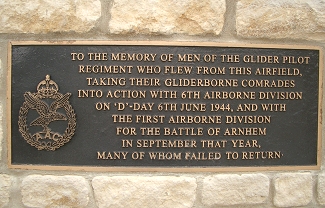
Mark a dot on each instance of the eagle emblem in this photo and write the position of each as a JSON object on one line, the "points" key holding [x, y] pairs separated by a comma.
{"points": [[42, 115]]}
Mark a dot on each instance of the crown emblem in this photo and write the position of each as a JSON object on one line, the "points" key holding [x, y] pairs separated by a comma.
{"points": [[47, 87], [46, 106]]}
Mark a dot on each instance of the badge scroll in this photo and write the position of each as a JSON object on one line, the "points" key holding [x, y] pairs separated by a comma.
{"points": [[47, 90]]}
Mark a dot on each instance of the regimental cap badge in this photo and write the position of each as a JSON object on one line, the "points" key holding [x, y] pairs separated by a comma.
{"points": [[43, 114]]}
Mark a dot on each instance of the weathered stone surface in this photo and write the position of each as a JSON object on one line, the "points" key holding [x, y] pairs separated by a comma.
{"points": [[293, 189], [1, 70], [46, 16], [142, 192], [1, 128], [281, 19], [5, 183], [54, 191], [321, 189], [167, 16], [233, 189], [1, 111]]}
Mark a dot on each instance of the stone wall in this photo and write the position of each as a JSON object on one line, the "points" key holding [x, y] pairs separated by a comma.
{"points": [[241, 21]]}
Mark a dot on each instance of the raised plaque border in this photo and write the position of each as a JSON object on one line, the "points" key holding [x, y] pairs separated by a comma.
{"points": [[166, 169]]}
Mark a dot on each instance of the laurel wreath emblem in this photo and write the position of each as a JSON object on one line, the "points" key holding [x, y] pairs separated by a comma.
{"points": [[47, 91]]}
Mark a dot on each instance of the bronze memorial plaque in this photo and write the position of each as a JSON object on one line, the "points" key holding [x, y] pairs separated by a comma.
{"points": [[163, 106]]}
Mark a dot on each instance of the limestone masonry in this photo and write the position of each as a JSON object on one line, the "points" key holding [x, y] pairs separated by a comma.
{"points": [[292, 22]]}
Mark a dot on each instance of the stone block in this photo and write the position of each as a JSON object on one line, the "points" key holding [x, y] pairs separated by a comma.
{"points": [[144, 192], [1, 111], [48, 16], [1, 128], [191, 17], [281, 19], [233, 189], [321, 189], [293, 189], [54, 191], [5, 185]]}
